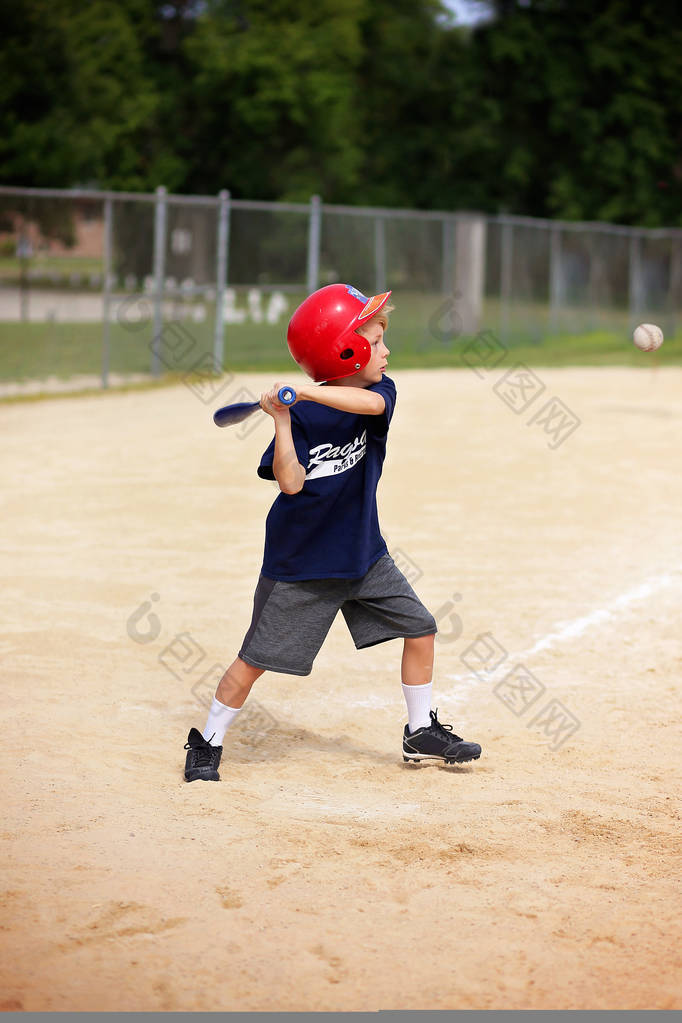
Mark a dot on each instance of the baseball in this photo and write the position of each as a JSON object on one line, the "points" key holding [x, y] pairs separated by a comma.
{"points": [[648, 337]]}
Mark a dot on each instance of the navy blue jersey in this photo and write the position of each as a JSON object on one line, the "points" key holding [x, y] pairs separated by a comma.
{"points": [[330, 528]]}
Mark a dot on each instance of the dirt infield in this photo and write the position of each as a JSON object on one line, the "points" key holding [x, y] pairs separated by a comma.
{"points": [[322, 873]]}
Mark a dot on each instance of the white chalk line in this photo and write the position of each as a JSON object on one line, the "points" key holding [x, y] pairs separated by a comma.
{"points": [[569, 630], [562, 631], [577, 627]]}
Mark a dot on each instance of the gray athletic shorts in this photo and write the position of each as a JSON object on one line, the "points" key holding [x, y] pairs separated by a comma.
{"points": [[291, 620]]}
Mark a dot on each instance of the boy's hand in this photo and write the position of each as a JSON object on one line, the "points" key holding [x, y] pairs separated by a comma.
{"points": [[271, 404]]}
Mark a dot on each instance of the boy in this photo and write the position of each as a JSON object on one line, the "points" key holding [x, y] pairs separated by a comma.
{"points": [[323, 549]]}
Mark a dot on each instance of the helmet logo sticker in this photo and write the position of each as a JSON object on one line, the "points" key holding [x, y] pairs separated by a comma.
{"points": [[355, 293]]}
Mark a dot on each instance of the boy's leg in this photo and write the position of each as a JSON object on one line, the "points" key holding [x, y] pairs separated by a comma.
{"points": [[425, 738], [416, 672], [383, 606], [236, 683], [417, 663], [205, 749], [229, 698]]}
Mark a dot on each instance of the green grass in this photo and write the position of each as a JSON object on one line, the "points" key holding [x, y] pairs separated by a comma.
{"points": [[10, 266], [599, 348], [39, 350]]}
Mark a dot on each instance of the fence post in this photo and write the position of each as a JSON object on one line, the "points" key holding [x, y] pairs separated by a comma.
{"points": [[159, 268], [675, 280], [106, 292], [221, 277], [506, 277], [635, 279], [448, 255], [24, 252], [556, 279], [379, 255], [314, 244], [469, 285]]}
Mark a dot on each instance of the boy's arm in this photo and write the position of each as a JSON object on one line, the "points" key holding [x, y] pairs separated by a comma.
{"points": [[286, 468], [346, 399]]}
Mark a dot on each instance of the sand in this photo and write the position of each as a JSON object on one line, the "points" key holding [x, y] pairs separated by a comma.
{"points": [[323, 873]]}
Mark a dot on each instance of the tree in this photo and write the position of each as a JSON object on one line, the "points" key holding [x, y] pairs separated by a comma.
{"points": [[589, 96], [79, 105], [551, 108], [272, 99], [428, 137]]}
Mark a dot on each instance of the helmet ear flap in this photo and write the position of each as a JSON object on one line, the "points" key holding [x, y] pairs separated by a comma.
{"points": [[347, 354], [354, 357]]}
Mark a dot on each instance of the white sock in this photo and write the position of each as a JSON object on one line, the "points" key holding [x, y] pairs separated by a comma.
{"points": [[219, 720], [418, 700]]}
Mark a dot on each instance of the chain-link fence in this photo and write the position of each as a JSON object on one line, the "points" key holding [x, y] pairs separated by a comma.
{"points": [[101, 286]]}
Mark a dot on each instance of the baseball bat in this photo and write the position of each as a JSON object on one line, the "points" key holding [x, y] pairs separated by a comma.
{"points": [[228, 415]]}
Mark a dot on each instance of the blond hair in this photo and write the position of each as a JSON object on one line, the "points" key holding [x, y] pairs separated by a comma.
{"points": [[380, 317]]}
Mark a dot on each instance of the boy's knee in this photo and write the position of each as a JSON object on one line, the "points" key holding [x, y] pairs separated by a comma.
{"points": [[424, 641]]}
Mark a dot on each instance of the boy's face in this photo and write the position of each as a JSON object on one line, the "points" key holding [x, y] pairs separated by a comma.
{"points": [[373, 371]]}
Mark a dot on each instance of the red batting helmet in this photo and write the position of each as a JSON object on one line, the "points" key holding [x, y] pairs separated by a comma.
{"points": [[321, 334]]}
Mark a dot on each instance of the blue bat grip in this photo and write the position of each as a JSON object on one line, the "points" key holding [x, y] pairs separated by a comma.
{"points": [[287, 395]]}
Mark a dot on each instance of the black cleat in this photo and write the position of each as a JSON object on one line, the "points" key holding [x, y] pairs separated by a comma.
{"points": [[438, 742], [202, 759]]}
